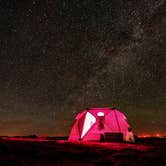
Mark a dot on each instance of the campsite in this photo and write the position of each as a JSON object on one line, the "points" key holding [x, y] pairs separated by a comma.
{"points": [[82, 83], [101, 124], [97, 138]]}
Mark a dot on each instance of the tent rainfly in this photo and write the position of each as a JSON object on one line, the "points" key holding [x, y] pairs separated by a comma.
{"points": [[101, 124]]}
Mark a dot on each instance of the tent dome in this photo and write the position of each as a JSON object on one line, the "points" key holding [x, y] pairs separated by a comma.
{"points": [[101, 124]]}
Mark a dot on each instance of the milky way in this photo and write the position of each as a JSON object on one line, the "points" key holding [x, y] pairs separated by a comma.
{"points": [[58, 57]]}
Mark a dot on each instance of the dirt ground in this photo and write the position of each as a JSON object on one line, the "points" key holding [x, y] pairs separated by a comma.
{"points": [[24, 152]]}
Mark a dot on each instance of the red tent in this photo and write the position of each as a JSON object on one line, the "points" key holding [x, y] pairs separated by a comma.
{"points": [[101, 124]]}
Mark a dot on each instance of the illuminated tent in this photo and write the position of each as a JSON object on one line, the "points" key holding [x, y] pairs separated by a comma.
{"points": [[101, 124]]}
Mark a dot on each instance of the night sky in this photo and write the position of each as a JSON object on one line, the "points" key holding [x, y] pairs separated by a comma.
{"points": [[58, 57]]}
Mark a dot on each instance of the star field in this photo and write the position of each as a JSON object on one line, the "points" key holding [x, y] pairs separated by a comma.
{"points": [[58, 57]]}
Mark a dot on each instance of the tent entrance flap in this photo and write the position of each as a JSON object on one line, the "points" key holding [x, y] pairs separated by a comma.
{"points": [[89, 121]]}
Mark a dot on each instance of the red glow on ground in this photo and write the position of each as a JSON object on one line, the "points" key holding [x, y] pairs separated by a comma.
{"points": [[39, 139], [103, 145], [111, 146]]}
